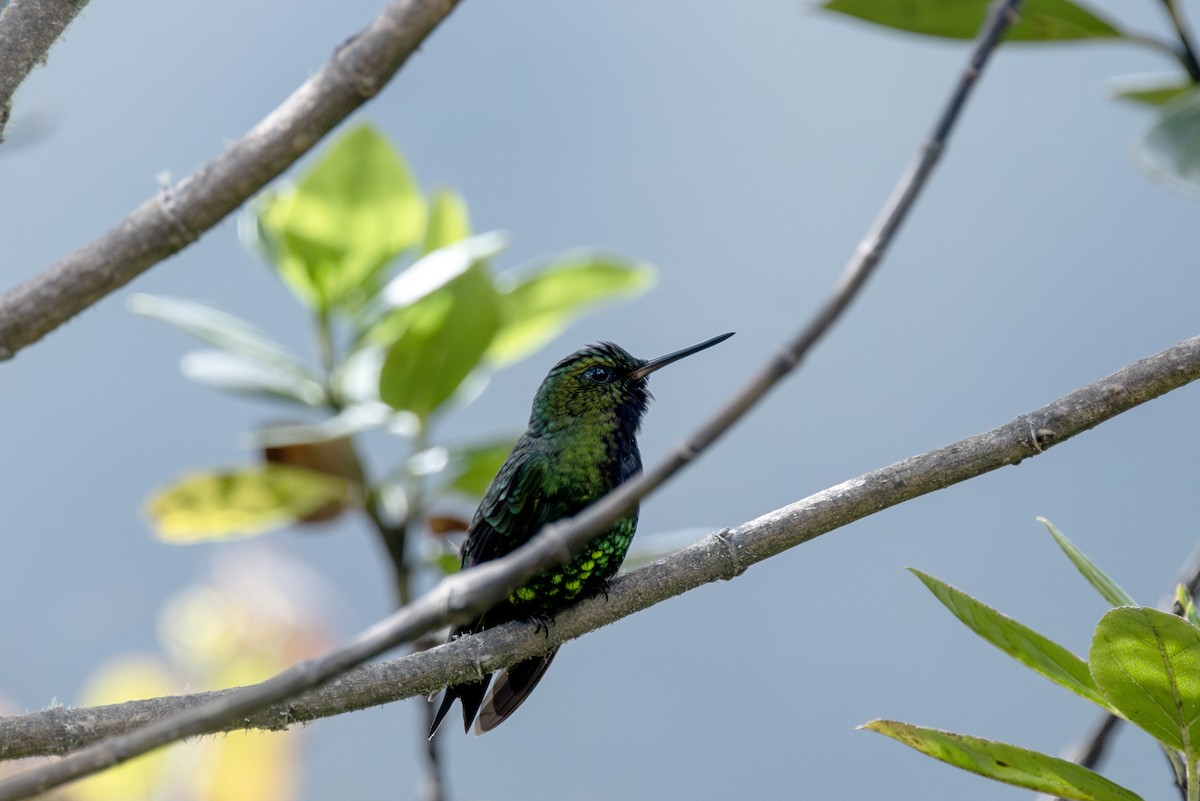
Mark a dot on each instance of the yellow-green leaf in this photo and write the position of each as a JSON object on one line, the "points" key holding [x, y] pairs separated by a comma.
{"points": [[240, 503], [1111, 590], [330, 234], [1018, 641], [448, 221], [444, 337], [538, 305], [1147, 663], [1006, 763]]}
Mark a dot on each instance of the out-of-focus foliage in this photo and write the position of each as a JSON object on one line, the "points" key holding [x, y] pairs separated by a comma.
{"points": [[256, 614], [1171, 147]]}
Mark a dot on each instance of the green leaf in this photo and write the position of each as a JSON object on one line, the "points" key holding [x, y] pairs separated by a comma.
{"points": [[1147, 663], [1171, 148], [232, 373], [1151, 90], [1006, 763], [330, 235], [1187, 604], [1040, 20], [218, 328], [448, 221], [473, 468], [447, 563], [240, 503], [1020, 642], [539, 305], [1110, 589], [443, 336]]}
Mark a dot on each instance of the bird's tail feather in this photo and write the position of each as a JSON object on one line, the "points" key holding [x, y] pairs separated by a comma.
{"points": [[471, 693], [511, 689]]}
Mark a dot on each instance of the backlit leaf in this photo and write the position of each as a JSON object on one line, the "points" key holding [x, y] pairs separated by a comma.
{"points": [[1018, 641], [240, 503], [443, 338], [538, 305], [329, 235], [1006, 763], [448, 221], [1110, 589], [1040, 20], [1147, 663]]}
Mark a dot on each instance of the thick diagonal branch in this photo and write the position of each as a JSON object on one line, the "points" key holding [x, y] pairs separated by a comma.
{"points": [[179, 215], [28, 28]]}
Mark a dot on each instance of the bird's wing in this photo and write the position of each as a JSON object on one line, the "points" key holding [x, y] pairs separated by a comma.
{"points": [[515, 506]]}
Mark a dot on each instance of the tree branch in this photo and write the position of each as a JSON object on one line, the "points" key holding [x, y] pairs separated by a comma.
{"points": [[179, 215], [721, 556], [460, 597], [28, 29]]}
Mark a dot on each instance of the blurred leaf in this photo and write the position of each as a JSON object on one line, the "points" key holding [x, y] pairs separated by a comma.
{"points": [[448, 563], [1186, 605], [1151, 90], [473, 468], [1006, 763], [448, 221], [353, 419], [1040, 20], [219, 329], [1172, 147], [537, 306], [1020, 642], [264, 766], [1148, 664], [441, 525], [444, 339], [329, 236], [238, 503], [232, 373], [333, 457], [129, 678], [1110, 589]]}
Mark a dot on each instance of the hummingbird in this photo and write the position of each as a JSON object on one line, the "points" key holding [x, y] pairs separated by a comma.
{"points": [[580, 444]]}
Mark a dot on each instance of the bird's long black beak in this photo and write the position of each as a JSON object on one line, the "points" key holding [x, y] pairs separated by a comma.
{"points": [[662, 361]]}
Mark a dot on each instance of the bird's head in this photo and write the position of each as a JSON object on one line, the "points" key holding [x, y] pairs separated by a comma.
{"points": [[603, 385]]}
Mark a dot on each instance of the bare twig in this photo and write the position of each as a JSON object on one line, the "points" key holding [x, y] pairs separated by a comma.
{"points": [[28, 28], [721, 556], [179, 215]]}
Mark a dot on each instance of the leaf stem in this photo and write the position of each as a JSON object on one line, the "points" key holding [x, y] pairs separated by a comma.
{"points": [[1186, 52]]}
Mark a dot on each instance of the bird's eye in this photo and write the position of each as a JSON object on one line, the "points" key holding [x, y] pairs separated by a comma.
{"points": [[598, 374]]}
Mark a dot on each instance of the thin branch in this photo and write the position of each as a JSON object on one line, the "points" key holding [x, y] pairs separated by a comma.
{"points": [[28, 28], [1186, 52], [460, 597], [721, 556], [178, 216]]}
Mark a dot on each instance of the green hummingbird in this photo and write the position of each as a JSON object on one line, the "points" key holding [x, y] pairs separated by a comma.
{"points": [[580, 444]]}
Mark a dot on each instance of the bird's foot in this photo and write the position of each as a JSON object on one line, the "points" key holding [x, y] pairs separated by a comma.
{"points": [[542, 624]]}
